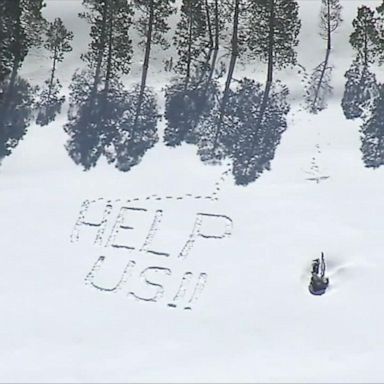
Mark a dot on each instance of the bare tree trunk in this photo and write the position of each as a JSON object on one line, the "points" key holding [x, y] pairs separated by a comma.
{"points": [[110, 53], [231, 70], [217, 25], [148, 46], [329, 32], [100, 53], [271, 41], [217, 39], [326, 60], [325, 66], [52, 78], [214, 47], [271, 48], [189, 58], [209, 25]]}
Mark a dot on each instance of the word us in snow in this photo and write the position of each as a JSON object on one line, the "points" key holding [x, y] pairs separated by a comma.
{"points": [[107, 223]]}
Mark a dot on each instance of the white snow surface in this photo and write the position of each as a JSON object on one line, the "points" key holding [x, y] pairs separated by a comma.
{"points": [[255, 320]]}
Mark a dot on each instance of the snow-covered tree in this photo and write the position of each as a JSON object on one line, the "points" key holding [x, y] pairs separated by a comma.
{"points": [[361, 89], [21, 28], [57, 43], [97, 98], [365, 37], [274, 26], [372, 140], [330, 19], [191, 38]]}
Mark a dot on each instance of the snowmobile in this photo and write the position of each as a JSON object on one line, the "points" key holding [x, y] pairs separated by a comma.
{"points": [[318, 284]]}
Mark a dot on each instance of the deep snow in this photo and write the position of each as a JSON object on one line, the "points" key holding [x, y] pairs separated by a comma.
{"points": [[255, 320]]}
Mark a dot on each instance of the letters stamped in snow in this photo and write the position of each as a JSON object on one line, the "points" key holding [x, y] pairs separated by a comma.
{"points": [[140, 234]]}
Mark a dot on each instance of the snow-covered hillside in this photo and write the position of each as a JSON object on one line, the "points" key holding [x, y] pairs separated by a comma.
{"points": [[173, 273]]}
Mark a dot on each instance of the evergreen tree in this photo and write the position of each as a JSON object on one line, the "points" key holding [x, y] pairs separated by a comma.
{"points": [[211, 148], [110, 50], [191, 38], [186, 108], [319, 87], [152, 26], [365, 37], [15, 115], [190, 99], [21, 28], [216, 11], [330, 19], [252, 143], [380, 26], [361, 89], [372, 141], [133, 138], [91, 128], [21, 25], [97, 98], [57, 43], [274, 27]]}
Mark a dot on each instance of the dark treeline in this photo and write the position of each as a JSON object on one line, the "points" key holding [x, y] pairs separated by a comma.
{"points": [[105, 118], [242, 123], [364, 95], [202, 105], [21, 24], [227, 118], [23, 28], [57, 43]]}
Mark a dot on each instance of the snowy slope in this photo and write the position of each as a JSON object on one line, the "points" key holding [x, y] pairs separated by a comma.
{"points": [[249, 247]]}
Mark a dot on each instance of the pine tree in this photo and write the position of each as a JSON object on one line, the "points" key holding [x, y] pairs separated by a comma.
{"points": [[217, 16], [380, 27], [330, 19], [21, 25], [130, 142], [152, 26], [110, 50], [15, 115], [274, 27], [185, 108], [57, 43], [210, 148], [252, 144], [361, 89], [191, 99], [138, 126], [273, 32], [372, 141], [92, 130], [97, 98], [191, 38], [365, 37], [319, 87]]}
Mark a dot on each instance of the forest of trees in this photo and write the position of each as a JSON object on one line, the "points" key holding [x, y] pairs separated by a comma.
{"points": [[364, 95], [218, 121], [21, 24], [206, 105]]}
